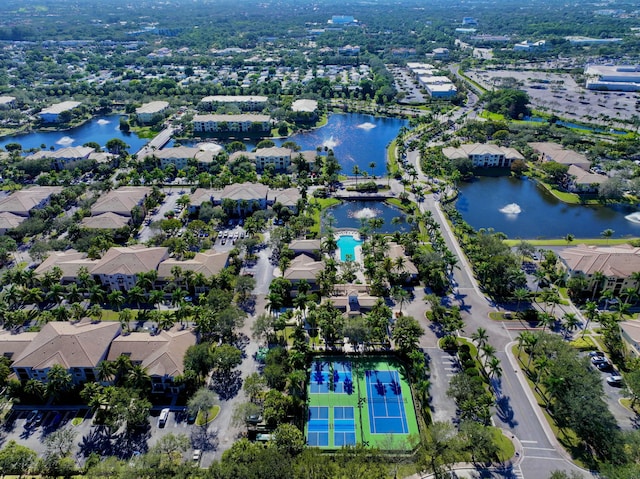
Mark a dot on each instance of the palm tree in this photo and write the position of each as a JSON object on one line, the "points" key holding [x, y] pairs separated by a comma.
{"points": [[607, 234], [488, 351], [372, 165], [546, 320], [400, 295], [74, 295], [480, 337], [61, 313], [125, 316], [138, 378], [356, 171], [122, 366], [523, 339], [495, 371], [156, 297], [592, 313], [136, 295], [106, 371], [96, 294], [520, 294], [569, 238], [95, 312], [629, 294], [571, 323], [551, 297], [597, 278], [116, 298]]}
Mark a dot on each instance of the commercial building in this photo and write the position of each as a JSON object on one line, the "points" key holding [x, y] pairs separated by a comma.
{"points": [[613, 77]]}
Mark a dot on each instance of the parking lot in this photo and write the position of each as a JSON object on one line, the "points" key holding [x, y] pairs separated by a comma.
{"points": [[560, 94], [31, 426]]}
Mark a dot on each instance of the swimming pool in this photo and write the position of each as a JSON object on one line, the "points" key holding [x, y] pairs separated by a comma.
{"points": [[347, 246]]}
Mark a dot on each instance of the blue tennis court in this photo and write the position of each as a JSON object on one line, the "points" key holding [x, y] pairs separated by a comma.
{"points": [[337, 379], [344, 433], [386, 405], [318, 426]]}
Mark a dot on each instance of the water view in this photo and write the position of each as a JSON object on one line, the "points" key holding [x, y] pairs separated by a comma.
{"points": [[521, 209], [351, 214], [356, 139], [99, 129]]}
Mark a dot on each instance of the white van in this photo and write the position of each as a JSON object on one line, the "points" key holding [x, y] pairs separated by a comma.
{"points": [[164, 415]]}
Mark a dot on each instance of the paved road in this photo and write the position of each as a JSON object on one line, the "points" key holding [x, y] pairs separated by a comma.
{"points": [[517, 410]]}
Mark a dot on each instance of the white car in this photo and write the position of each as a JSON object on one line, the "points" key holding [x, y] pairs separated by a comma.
{"points": [[615, 380], [197, 453]]}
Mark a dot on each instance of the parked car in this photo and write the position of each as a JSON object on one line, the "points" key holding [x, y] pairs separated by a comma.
{"points": [[595, 354], [196, 455], [604, 366], [615, 380], [164, 416], [599, 359], [34, 418]]}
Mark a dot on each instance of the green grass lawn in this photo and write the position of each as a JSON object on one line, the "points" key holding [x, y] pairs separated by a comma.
{"points": [[213, 413], [576, 241], [506, 449], [324, 203]]}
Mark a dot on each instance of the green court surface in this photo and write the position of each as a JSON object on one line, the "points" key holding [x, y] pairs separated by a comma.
{"points": [[360, 401]]}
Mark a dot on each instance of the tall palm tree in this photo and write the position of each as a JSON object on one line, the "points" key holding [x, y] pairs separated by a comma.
{"points": [[356, 171], [592, 313], [571, 323], [488, 351], [598, 277], [136, 295], [480, 337], [106, 371], [124, 317], [116, 298], [156, 297], [607, 234], [400, 296], [138, 378], [546, 320], [494, 369], [520, 294], [95, 312]]}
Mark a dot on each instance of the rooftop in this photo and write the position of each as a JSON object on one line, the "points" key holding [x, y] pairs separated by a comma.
{"points": [[72, 345]]}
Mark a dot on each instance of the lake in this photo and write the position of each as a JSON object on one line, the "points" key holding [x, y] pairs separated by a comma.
{"points": [[522, 209], [356, 139], [100, 129]]}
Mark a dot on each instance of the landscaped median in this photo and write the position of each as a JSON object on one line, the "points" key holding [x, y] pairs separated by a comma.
{"points": [[205, 417]]}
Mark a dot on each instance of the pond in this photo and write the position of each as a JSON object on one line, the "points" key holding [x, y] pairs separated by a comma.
{"points": [[100, 130], [352, 214], [522, 209]]}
